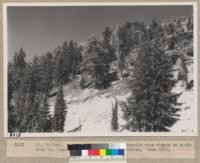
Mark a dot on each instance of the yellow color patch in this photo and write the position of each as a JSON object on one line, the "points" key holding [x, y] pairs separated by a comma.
{"points": [[102, 152]]}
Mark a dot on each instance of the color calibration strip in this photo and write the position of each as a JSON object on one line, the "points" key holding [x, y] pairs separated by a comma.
{"points": [[97, 151]]}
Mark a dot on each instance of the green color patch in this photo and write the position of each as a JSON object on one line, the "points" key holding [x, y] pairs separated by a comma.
{"points": [[108, 152]]}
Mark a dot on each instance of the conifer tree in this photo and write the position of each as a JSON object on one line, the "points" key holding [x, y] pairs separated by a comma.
{"points": [[66, 56], [38, 118], [19, 112], [125, 44], [44, 116], [45, 73], [59, 75], [152, 106], [107, 54], [19, 59], [11, 116], [60, 111], [73, 58], [26, 95], [95, 64], [19, 63], [16, 89], [82, 83], [33, 125], [114, 121]]}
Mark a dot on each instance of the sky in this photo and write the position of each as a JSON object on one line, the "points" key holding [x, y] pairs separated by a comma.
{"points": [[39, 30]]}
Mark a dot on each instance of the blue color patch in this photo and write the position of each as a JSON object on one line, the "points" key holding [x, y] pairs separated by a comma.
{"points": [[115, 152], [121, 152]]}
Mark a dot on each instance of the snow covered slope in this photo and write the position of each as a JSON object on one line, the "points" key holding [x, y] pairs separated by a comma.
{"points": [[91, 109]]}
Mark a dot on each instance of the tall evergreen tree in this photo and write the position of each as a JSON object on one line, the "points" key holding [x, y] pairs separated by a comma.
{"points": [[19, 63], [121, 62], [26, 95], [77, 59], [74, 52], [59, 75], [125, 44], [97, 60], [11, 116], [114, 121], [67, 61], [107, 35], [39, 118], [153, 105], [19, 111], [45, 73], [16, 95], [107, 54], [45, 115], [94, 64], [60, 111], [19, 59]]}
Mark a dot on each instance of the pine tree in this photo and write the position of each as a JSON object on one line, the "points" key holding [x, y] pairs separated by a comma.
{"points": [[94, 63], [11, 117], [39, 119], [59, 75], [19, 63], [19, 59], [26, 95], [66, 56], [121, 62], [19, 111], [125, 44], [73, 51], [45, 73], [107, 54], [152, 105], [16, 95], [43, 116], [33, 119], [71, 55], [60, 111], [114, 121], [171, 43], [45, 111], [82, 83]]}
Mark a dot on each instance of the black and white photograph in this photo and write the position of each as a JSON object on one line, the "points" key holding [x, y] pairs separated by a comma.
{"points": [[97, 69]]}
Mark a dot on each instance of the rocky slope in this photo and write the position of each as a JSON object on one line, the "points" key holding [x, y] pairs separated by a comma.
{"points": [[90, 109]]}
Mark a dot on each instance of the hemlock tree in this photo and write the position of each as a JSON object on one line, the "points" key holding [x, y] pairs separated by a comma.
{"points": [[19, 59], [16, 95], [114, 121], [44, 116], [60, 111], [39, 119], [59, 74], [67, 60], [107, 55], [11, 117], [96, 64], [152, 105], [126, 44], [45, 73], [74, 51], [17, 68]]}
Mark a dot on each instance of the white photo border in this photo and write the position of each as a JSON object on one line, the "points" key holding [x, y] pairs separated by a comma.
{"points": [[115, 134]]}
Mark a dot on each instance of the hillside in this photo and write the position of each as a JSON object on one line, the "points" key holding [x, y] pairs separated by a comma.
{"points": [[84, 103], [91, 108]]}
